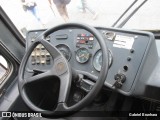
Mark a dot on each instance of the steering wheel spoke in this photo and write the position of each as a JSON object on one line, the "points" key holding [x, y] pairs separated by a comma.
{"points": [[65, 84], [50, 48], [39, 77], [62, 70]]}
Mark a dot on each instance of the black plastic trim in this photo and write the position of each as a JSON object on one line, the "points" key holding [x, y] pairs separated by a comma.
{"points": [[6, 20]]}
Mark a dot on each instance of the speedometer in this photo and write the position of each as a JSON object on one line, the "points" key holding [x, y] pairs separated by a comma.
{"points": [[97, 60]]}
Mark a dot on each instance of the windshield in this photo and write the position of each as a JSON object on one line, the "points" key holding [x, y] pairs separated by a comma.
{"points": [[43, 14]]}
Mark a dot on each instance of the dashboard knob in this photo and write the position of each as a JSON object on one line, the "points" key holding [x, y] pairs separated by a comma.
{"points": [[118, 84], [120, 77]]}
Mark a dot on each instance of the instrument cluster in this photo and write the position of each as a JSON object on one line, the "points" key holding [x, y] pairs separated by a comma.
{"points": [[84, 51]]}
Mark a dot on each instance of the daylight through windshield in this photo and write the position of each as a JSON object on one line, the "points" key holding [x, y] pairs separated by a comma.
{"points": [[42, 14]]}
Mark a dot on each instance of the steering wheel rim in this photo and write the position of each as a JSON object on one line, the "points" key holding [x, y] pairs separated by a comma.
{"points": [[62, 106]]}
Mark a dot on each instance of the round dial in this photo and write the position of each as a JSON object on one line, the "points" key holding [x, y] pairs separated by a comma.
{"points": [[97, 60], [82, 55], [64, 49]]}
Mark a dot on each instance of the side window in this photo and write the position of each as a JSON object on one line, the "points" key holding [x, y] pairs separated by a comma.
{"points": [[4, 69]]}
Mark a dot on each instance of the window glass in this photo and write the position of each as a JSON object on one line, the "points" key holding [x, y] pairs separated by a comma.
{"points": [[43, 14], [3, 69]]}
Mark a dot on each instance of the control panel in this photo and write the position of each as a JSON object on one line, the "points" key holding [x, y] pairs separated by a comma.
{"points": [[82, 50], [85, 40], [40, 58]]}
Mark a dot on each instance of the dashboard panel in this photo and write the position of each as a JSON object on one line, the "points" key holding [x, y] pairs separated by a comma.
{"points": [[127, 54]]}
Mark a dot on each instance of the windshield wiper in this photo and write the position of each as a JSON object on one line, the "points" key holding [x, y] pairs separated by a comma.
{"points": [[130, 15], [124, 13]]}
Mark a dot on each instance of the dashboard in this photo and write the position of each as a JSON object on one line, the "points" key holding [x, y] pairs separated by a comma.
{"points": [[129, 51]]}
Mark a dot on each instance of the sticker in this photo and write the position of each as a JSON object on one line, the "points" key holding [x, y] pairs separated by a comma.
{"points": [[123, 42]]}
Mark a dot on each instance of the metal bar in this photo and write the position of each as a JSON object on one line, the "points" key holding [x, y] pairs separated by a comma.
{"points": [[126, 20], [124, 13]]}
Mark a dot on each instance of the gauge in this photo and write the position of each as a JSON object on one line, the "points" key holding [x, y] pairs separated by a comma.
{"points": [[64, 49], [82, 55], [97, 60]]}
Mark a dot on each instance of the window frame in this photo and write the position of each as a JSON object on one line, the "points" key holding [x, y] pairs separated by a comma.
{"points": [[6, 72], [12, 71], [13, 62]]}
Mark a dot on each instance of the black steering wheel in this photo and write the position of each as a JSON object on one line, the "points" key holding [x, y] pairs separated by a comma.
{"points": [[61, 69]]}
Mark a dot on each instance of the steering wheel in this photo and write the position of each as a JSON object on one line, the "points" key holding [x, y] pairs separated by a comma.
{"points": [[62, 70]]}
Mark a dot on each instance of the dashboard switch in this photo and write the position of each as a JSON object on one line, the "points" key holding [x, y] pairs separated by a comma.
{"points": [[33, 61], [38, 60], [48, 54], [118, 84], [38, 46], [37, 53], [42, 47], [33, 54], [43, 61], [43, 53], [120, 79], [48, 59]]}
